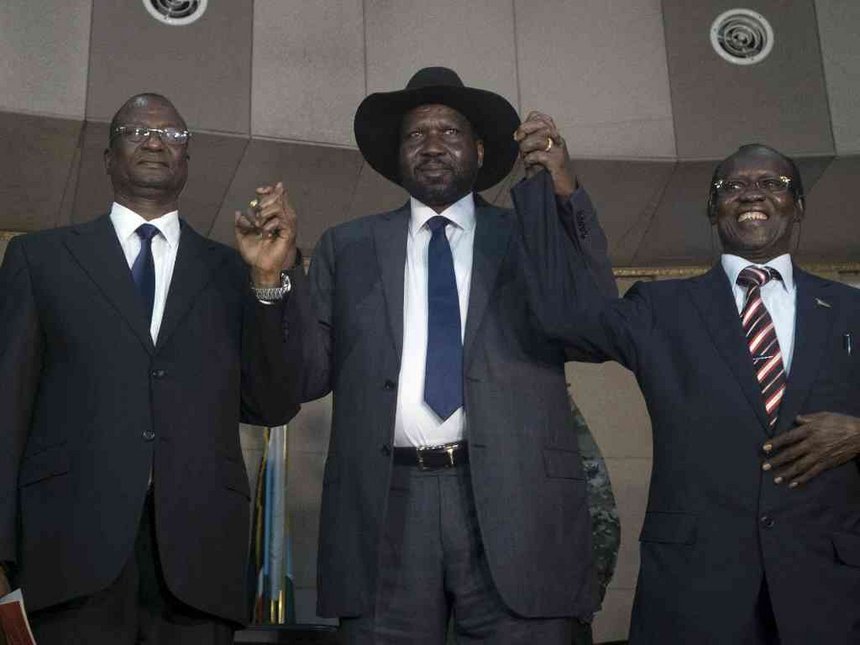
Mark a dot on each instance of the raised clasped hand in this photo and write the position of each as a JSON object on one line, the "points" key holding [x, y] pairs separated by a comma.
{"points": [[542, 146], [266, 234]]}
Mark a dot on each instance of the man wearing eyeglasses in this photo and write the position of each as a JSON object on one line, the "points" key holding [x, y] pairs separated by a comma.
{"points": [[130, 346], [752, 380]]}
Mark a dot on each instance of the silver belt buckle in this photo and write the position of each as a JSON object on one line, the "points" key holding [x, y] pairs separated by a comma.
{"points": [[449, 448]]}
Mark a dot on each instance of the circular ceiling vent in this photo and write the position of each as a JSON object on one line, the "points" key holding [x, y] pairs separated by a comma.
{"points": [[175, 12], [742, 36]]}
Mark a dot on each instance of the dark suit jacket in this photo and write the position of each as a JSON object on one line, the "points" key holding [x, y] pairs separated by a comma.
{"points": [[716, 525], [90, 405], [526, 469]]}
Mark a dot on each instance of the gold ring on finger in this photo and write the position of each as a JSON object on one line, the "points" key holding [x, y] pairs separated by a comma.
{"points": [[254, 204], [548, 144]]}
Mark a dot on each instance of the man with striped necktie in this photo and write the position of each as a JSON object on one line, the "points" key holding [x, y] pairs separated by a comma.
{"points": [[752, 532]]}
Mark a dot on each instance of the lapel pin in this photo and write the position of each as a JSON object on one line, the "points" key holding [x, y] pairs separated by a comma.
{"points": [[822, 303]]}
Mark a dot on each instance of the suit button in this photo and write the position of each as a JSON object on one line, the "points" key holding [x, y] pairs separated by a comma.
{"points": [[148, 435], [158, 373], [389, 384], [385, 449], [766, 521]]}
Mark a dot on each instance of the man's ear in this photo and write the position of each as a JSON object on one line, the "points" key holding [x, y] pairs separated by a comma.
{"points": [[800, 209], [107, 160], [712, 210], [479, 146]]}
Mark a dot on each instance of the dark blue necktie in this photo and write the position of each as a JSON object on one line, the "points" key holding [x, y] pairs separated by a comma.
{"points": [[443, 375], [143, 269]]}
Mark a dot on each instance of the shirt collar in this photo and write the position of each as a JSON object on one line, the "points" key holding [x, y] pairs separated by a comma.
{"points": [[734, 264], [126, 221], [461, 212]]}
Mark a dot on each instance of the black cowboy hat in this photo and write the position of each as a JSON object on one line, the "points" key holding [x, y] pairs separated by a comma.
{"points": [[378, 118]]}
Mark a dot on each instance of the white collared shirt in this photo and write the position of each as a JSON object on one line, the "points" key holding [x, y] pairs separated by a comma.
{"points": [[164, 248], [778, 296], [415, 424]]}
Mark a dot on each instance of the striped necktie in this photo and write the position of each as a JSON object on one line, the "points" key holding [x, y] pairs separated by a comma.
{"points": [[761, 339]]}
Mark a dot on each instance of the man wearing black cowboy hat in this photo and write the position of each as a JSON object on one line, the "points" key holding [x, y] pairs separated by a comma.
{"points": [[453, 483]]}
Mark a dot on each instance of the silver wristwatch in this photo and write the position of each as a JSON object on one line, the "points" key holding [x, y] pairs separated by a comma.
{"points": [[273, 294]]}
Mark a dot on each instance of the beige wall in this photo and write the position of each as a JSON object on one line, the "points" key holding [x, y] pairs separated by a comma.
{"points": [[270, 87]]}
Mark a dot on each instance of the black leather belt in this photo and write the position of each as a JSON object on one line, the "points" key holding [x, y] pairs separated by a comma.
{"points": [[448, 455]]}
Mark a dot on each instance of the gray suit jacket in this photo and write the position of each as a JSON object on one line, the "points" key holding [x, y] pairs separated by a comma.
{"points": [[526, 468]]}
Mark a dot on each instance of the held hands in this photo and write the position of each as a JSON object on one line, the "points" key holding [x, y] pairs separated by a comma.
{"points": [[541, 146], [821, 441], [266, 235]]}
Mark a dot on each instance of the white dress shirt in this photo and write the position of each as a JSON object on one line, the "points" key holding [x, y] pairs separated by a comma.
{"points": [[778, 296], [164, 247], [415, 424]]}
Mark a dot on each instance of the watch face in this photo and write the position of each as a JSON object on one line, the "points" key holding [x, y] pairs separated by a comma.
{"points": [[285, 281]]}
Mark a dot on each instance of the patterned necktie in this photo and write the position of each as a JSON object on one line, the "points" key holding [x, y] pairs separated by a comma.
{"points": [[761, 339], [143, 269], [443, 371]]}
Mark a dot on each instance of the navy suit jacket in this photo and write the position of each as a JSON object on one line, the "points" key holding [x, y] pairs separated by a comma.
{"points": [[716, 524], [91, 406]]}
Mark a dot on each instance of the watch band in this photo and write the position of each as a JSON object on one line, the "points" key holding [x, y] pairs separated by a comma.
{"points": [[273, 294]]}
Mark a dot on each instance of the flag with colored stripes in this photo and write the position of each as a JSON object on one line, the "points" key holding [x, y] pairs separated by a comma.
{"points": [[271, 552]]}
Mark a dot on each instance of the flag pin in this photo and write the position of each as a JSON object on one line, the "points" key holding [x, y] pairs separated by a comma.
{"points": [[822, 303]]}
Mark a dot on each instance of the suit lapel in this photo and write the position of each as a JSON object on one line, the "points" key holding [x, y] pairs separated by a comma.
{"points": [[195, 265], [390, 235], [813, 325], [492, 234], [713, 297], [96, 248]]}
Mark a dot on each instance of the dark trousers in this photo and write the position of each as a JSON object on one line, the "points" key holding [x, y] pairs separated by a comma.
{"points": [[432, 568], [136, 608]]}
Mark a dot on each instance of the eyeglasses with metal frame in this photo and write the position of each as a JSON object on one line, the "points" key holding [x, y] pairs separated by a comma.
{"points": [[772, 185], [139, 134]]}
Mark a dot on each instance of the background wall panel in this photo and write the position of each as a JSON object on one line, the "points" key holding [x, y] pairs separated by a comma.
{"points": [[839, 26], [308, 69], [474, 38], [599, 68], [831, 226], [44, 47], [717, 105], [204, 67], [37, 158]]}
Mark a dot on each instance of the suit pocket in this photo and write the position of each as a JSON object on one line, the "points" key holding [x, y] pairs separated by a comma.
{"points": [[669, 528], [564, 464], [847, 547], [44, 465]]}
